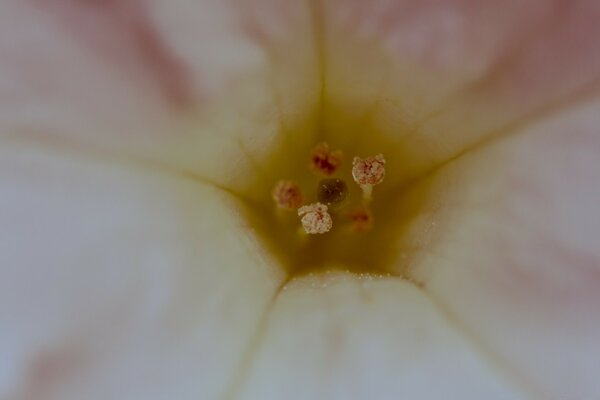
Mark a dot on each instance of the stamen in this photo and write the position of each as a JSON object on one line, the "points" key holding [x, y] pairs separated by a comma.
{"points": [[324, 161], [332, 191], [362, 219], [368, 172], [287, 195], [315, 218]]}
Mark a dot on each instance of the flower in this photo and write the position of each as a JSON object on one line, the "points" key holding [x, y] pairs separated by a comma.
{"points": [[140, 143]]}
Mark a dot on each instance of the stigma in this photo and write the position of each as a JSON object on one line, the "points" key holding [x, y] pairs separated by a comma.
{"points": [[332, 191]]}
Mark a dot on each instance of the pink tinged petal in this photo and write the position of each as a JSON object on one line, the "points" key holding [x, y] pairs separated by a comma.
{"points": [[219, 41], [75, 70], [119, 31], [437, 77], [517, 257], [347, 337], [109, 78], [258, 64], [114, 283]]}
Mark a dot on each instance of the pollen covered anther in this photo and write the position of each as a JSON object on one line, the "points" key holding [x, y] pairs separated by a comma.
{"points": [[324, 161], [368, 172], [287, 195], [315, 218]]}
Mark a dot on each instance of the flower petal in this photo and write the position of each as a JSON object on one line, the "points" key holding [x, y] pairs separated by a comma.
{"points": [[182, 85], [75, 71], [515, 255], [115, 283], [439, 77], [342, 336]]}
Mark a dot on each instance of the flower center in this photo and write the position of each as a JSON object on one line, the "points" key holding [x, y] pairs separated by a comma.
{"points": [[325, 205]]}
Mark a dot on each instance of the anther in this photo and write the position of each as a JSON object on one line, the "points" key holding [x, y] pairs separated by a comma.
{"points": [[368, 172], [332, 191], [315, 218], [287, 195], [362, 219], [324, 161]]}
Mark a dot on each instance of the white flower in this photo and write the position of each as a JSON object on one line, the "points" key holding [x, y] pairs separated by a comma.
{"points": [[133, 135]]}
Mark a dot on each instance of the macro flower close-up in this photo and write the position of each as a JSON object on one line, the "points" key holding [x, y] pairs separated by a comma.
{"points": [[311, 199]]}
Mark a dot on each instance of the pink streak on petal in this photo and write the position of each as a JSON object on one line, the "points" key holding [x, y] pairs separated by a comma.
{"points": [[122, 33], [562, 55], [525, 50]]}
